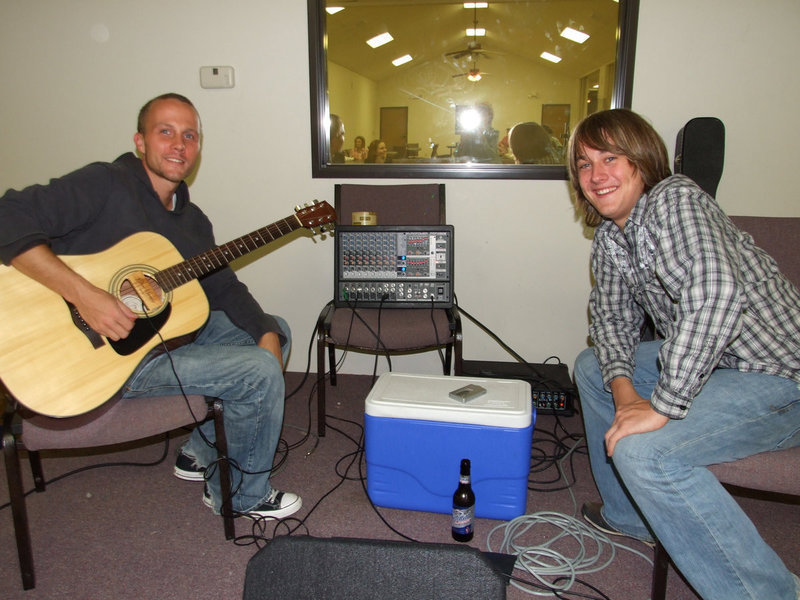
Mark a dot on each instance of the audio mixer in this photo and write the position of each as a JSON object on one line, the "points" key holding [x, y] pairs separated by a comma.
{"points": [[394, 266]]}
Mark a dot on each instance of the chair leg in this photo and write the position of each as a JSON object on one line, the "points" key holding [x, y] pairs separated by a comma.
{"points": [[35, 460], [224, 469], [321, 384], [19, 511], [332, 362], [658, 590]]}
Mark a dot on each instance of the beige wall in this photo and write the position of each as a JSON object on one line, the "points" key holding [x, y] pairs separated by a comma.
{"points": [[75, 73]]}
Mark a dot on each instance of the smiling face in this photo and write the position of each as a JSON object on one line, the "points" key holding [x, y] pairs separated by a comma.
{"points": [[610, 182], [169, 144], [620, 145]]}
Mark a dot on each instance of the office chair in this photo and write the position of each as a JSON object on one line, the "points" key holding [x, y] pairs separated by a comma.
{"points": [[772, 474], [402, 330], [115, 422]]}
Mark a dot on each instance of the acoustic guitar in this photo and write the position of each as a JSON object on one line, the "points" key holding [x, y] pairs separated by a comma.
{"points": [[54, 364]]}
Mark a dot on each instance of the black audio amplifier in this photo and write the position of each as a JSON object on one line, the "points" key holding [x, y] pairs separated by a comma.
{"points": [[552, 390], [393, 266]]}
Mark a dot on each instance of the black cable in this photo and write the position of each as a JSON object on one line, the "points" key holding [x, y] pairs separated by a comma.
{"points": [[85, 468], [259, 534], [535, 373], [561, 593], [233, 465], [543, 460], [361, 456], [353, 306]]}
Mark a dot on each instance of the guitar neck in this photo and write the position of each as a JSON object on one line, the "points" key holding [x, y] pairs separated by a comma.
{"points": [[220, 256]]}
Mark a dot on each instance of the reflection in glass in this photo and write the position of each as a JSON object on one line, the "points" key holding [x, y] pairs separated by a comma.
{"points": [[452, 106]]}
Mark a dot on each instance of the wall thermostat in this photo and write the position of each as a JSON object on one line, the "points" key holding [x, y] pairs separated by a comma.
{"points": [[216, 77]]}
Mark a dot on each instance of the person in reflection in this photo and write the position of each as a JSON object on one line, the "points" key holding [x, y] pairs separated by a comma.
{"points": [[503, 148], [557, 144], [359, 151], [377, 152], [531, 145], [237, 356], [337, 139], [720, 383], [481, 143]]}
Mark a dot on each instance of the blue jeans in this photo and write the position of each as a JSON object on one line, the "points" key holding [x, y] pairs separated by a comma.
{"points": [[658, 481], [225, 362]]}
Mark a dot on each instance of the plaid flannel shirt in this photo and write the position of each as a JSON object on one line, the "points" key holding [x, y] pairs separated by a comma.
{"points": [[716, 299]]}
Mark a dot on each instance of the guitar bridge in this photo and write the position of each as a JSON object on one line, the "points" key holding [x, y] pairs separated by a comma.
{"points": [[94, 338]]}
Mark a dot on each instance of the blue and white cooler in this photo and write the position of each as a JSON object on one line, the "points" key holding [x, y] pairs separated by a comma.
{"points": [[416, 436]]}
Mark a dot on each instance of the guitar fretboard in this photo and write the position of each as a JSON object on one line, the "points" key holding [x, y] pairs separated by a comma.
{"points": [[203, 264]]}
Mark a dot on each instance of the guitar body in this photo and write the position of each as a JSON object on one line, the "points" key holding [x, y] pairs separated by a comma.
{"points": [[52, 364]]}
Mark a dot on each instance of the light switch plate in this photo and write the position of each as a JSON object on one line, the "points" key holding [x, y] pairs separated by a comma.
{"points": [[216, 77]]}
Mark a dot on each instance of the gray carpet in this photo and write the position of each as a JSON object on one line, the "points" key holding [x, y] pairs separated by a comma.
{"points": [[138, 532]]}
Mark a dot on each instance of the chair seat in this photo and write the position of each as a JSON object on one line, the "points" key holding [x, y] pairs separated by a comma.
{"points": [[399, 328], [117, 421], [767, 471]]}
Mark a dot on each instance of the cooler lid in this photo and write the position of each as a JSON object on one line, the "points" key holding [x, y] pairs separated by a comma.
{"points": [[506, 403]]}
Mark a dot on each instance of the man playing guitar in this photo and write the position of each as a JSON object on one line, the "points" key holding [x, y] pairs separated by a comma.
{"points": [[239, 352]]}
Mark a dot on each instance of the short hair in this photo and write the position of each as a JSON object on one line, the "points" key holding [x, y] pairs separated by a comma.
{"points": [[529, 142], [145, 110], [622, 132]]}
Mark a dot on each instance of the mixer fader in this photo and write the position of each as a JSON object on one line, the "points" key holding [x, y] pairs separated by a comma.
{"points": [[394, 266]]}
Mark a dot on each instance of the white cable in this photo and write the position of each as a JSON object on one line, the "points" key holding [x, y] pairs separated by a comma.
{"points": [[589, 550]]}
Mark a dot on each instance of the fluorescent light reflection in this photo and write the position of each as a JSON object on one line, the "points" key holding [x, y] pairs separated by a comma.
{"points": [[551, 57], [574, 35], [380, 40], [402, 60]]}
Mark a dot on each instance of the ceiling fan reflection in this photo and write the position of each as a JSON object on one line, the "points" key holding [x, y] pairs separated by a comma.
{"points": [[474, 74]]}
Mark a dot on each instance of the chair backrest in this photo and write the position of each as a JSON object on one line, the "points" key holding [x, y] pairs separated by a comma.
{"points": [[769, 471], [402, 204], [779, 237], [700, 154]]}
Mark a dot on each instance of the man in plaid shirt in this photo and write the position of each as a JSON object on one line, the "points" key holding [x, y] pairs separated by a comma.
{"points": [[719, 384]]}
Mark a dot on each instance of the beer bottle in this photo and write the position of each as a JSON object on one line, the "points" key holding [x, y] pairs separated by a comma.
{"points": [[463, 520]]}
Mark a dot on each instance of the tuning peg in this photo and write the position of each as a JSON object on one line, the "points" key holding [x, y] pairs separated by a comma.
{"points": [[297, 207]]}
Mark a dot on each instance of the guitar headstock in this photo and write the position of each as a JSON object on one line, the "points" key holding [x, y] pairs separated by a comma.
{"points": [[316, 215]]}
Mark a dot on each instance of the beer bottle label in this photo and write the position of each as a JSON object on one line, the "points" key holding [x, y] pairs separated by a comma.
{"points": [[463, 519]]}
